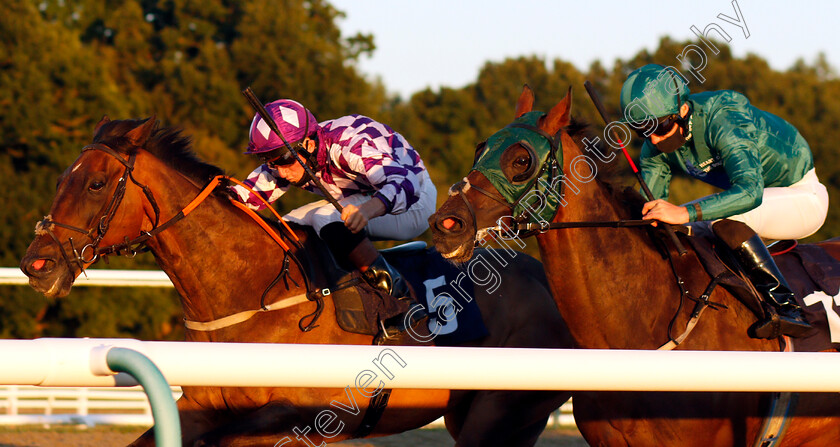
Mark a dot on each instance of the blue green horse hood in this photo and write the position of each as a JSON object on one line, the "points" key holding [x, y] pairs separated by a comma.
{"points": [[532, 199]]}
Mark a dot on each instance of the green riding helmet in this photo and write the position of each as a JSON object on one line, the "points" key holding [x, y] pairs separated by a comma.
{"points": [[652, 92]]}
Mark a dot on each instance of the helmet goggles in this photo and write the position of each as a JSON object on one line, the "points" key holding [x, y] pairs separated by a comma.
{"points": [[660, 127]]}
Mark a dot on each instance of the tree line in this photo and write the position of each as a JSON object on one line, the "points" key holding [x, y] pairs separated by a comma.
{"points": [[66, 63]]}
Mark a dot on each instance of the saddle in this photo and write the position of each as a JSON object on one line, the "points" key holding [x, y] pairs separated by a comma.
{"points": [[360, 308], [812, 273]]}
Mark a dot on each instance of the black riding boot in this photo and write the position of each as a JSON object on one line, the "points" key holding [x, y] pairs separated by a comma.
{"points": [[753, 256]]}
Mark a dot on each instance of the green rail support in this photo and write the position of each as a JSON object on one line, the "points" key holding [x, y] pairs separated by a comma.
{"points": [[164, 411]]}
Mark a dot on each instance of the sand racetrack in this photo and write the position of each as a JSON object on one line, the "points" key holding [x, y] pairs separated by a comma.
{"points": [[121, 436]]}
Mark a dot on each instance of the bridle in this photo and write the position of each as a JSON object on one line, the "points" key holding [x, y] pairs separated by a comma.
{"points": [[91, 252], [519, 223], [551, 164], [460, 188]]}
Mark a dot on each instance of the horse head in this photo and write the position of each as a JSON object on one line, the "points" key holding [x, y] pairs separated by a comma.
{"points": [[98, 207], [511, 181]]}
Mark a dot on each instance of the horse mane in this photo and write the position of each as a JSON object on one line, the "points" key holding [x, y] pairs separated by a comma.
{"points": [[612, 175], [608, 172], [168, 144]]}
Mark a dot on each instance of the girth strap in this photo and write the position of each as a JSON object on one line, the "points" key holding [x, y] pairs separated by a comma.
{"points": [[376, 407]]}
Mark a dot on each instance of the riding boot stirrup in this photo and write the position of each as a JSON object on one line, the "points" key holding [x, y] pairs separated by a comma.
{"points": [[382, 276]]}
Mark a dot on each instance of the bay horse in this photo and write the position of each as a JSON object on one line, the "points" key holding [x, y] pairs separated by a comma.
{"points": [[614, 287], [138, 184]]}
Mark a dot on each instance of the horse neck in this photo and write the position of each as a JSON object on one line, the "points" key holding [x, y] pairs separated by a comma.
{"points": [[216, 256], [604, 278]]}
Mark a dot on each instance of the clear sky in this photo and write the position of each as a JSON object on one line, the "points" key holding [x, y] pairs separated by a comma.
{"points": [[437, 43]]}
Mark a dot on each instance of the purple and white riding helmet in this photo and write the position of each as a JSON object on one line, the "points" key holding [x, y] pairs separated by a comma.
{"points": [[293, 120]]}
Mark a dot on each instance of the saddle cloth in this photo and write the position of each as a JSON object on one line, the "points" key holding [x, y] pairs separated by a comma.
{"points": [[441, 287], [447, 293], [810, 271]]}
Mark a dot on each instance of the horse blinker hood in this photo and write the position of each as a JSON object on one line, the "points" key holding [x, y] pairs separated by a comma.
{"points": [[533, 198]]}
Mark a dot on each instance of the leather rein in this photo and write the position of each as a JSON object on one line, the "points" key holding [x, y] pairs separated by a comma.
{"points": [[92, 252], [530, 228], [519, 222], [519, 225]]}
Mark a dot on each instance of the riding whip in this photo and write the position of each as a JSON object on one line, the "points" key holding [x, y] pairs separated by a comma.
{"points": [[648, 195], [260, 109]]}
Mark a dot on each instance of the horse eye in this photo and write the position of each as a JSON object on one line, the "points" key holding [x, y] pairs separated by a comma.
{"points": [[524, 164], [96, 186]]}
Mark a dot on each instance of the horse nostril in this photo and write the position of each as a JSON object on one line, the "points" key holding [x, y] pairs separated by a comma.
{"points": [[40, 266], [451, 225]]}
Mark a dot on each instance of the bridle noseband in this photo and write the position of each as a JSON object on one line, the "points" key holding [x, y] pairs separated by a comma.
{"points": [[91, 252], [460, 188]]}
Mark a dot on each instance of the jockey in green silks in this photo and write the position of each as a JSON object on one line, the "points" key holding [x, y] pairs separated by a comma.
{"points": [[761, 162]]}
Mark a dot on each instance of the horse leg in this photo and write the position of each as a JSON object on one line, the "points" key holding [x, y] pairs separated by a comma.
{"points": [[194, 422], [514, 418], [620, 419], [455, 418], [270, 425], [508, 418]]}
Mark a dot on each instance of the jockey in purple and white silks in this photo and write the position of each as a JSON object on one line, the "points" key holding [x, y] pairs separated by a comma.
{"points": [[373, 172]]}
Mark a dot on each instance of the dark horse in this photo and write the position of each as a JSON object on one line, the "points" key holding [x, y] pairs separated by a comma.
{"points": [[136, 183], [616, 290]]}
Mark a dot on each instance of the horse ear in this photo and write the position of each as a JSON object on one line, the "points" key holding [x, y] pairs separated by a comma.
{"points": [[140, 134], [559, 116], [105, 120], [526, 101]]}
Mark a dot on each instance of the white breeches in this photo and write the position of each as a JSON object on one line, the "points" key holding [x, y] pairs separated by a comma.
{"points": [[396, 227], [791, 212]]}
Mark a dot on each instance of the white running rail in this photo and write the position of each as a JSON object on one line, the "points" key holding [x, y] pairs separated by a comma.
{"points": [[32, 405], [98, 277]]}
